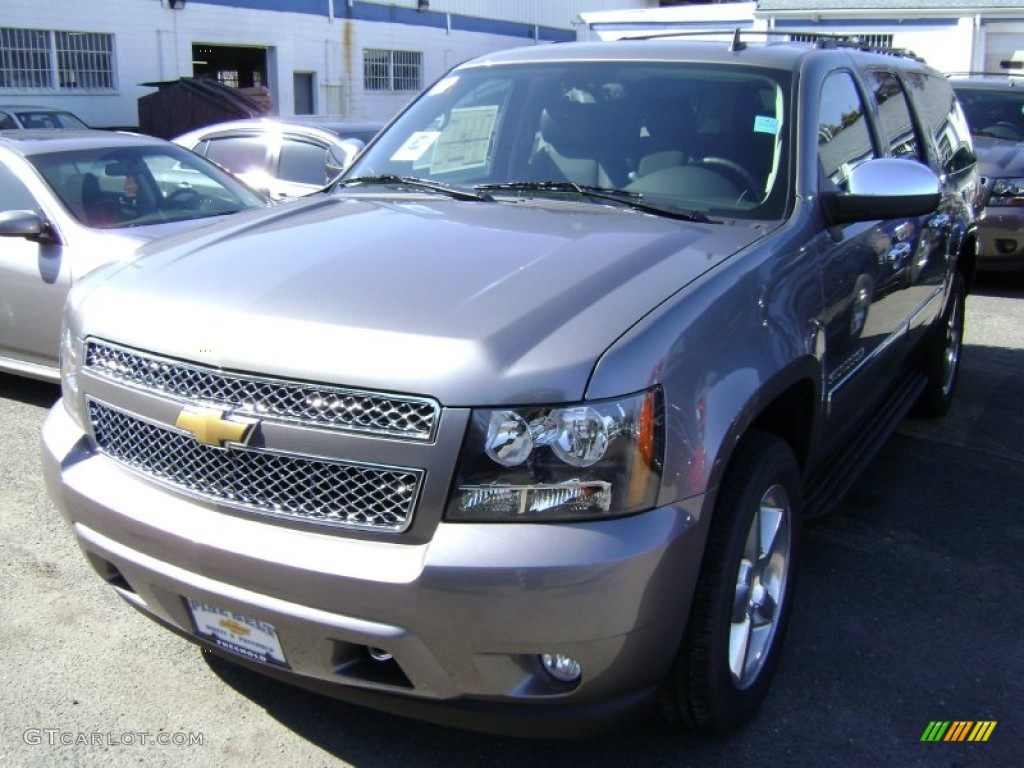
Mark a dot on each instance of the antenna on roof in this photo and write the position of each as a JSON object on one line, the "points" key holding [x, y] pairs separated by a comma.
{"points": [[737, 44]]}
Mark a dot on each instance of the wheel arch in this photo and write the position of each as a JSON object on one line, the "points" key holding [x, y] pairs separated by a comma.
{"points": [[967, 258], [788, 406]]}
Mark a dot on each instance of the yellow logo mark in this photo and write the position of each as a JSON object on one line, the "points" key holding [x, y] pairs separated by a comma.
{"points": [[209, 426], [233, 626]]}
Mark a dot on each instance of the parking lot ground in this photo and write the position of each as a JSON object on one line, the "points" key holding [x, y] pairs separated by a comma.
{"points": [[907, 612]]}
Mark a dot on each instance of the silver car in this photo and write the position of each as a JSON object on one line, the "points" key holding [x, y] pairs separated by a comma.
{"points": [[284, 157], [13, 116], [71, 201]]}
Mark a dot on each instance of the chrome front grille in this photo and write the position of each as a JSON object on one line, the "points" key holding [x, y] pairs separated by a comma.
{"points": [[293, 487], [305, 403]]}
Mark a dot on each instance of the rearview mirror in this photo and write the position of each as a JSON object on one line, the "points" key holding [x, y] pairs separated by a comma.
{"points": [[116, 169]]}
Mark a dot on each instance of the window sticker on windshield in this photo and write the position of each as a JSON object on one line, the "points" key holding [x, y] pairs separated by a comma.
{"points": [[765, 124], [443, 86], [465, 141], [415, 146]]}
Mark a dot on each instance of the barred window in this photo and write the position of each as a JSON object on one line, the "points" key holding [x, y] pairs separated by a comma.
{"points": [[392, 70], [85, 60], [48, 60], [871, 41]]}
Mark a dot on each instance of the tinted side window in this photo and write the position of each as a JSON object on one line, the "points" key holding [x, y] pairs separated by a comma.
{"points": [[14, 196], [844, 139], [7, 121], [242, 154], [946, 123], [303, 161], [894, 112]]}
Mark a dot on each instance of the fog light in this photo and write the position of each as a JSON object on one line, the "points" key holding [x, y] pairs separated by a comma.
{"points": [[1006, 246], [378, 654], [563, 668]]}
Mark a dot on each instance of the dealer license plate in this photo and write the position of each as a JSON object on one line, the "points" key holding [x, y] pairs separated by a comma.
{"points": [[239, 634]]}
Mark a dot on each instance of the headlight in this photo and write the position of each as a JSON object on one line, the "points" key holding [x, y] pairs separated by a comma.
{"points": [[572, 462], [1007, 192], [71, 349]]}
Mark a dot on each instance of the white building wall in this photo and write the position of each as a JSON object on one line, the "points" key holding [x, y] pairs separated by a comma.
{"points": [[154, 43], [947, 48], [617, 23]]}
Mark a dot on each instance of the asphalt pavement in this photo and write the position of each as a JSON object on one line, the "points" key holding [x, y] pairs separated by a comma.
{"points": [[907, 613]]}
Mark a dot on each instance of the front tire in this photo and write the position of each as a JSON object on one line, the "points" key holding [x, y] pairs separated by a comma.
{"points": [[742, 602], [942, 356]]}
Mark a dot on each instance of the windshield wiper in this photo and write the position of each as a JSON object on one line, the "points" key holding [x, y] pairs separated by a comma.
{"points": [[459, 193], [633, 200]]}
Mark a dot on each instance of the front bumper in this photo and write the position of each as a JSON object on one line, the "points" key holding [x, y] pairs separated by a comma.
{"points": [[1001, 239], [464, 616]]}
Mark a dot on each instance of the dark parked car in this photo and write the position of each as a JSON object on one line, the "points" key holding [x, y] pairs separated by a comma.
{"points": [[71, 201], [994, 106], [285, 157], [14, 116], [517, 427]]}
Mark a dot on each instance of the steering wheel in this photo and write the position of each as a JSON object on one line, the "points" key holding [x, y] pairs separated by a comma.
{"points": [[183, 197], [750, 184]]}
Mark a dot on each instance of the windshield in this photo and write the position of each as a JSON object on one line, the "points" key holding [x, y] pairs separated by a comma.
{"points": [[997, 113], [118, 187], [690, 137]]}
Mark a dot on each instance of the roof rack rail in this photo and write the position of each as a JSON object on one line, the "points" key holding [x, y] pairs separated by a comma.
{"points": [[852, 41], [735, 37], [1014, 73]]}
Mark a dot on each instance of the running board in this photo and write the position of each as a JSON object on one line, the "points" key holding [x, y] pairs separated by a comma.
{"points": [[826, 489]]}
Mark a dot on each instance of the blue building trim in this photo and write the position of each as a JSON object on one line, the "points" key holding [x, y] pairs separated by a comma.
{"points": [[391, 14], [311, 7]]}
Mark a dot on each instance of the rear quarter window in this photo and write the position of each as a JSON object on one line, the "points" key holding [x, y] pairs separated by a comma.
{"points": [[944, 118], [894, 115]]}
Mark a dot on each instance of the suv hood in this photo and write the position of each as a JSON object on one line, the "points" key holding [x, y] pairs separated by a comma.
{"points": [[472, 303], [998, 158]]}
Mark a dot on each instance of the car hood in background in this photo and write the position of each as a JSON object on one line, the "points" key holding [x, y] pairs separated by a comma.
{"points": [[998, 158], [473, 303], [96, 247]]}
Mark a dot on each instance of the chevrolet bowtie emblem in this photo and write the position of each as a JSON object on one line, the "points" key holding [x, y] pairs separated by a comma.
{"points": [[210, 427], [233, 626]]}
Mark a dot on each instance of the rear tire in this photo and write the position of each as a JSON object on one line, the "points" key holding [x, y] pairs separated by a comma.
{"points": [[942, 356], [743, 597]]}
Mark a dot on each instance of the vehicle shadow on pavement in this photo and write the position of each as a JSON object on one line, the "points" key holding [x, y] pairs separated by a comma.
{"points": [[1008, 285], [363, 737], [28, 391]]}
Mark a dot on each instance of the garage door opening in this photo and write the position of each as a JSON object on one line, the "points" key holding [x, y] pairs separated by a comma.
{"points": [[238, 67]]}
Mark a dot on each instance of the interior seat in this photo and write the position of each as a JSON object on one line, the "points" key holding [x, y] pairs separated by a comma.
{"points": [[101, 209], [583, 142]]}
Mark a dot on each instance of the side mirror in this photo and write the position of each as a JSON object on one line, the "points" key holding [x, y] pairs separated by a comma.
{"points": [[341, 157], [27, 224], [886, 188]]}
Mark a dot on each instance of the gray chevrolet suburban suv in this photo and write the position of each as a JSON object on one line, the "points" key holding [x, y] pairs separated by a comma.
{"points": [[516, 426]]}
